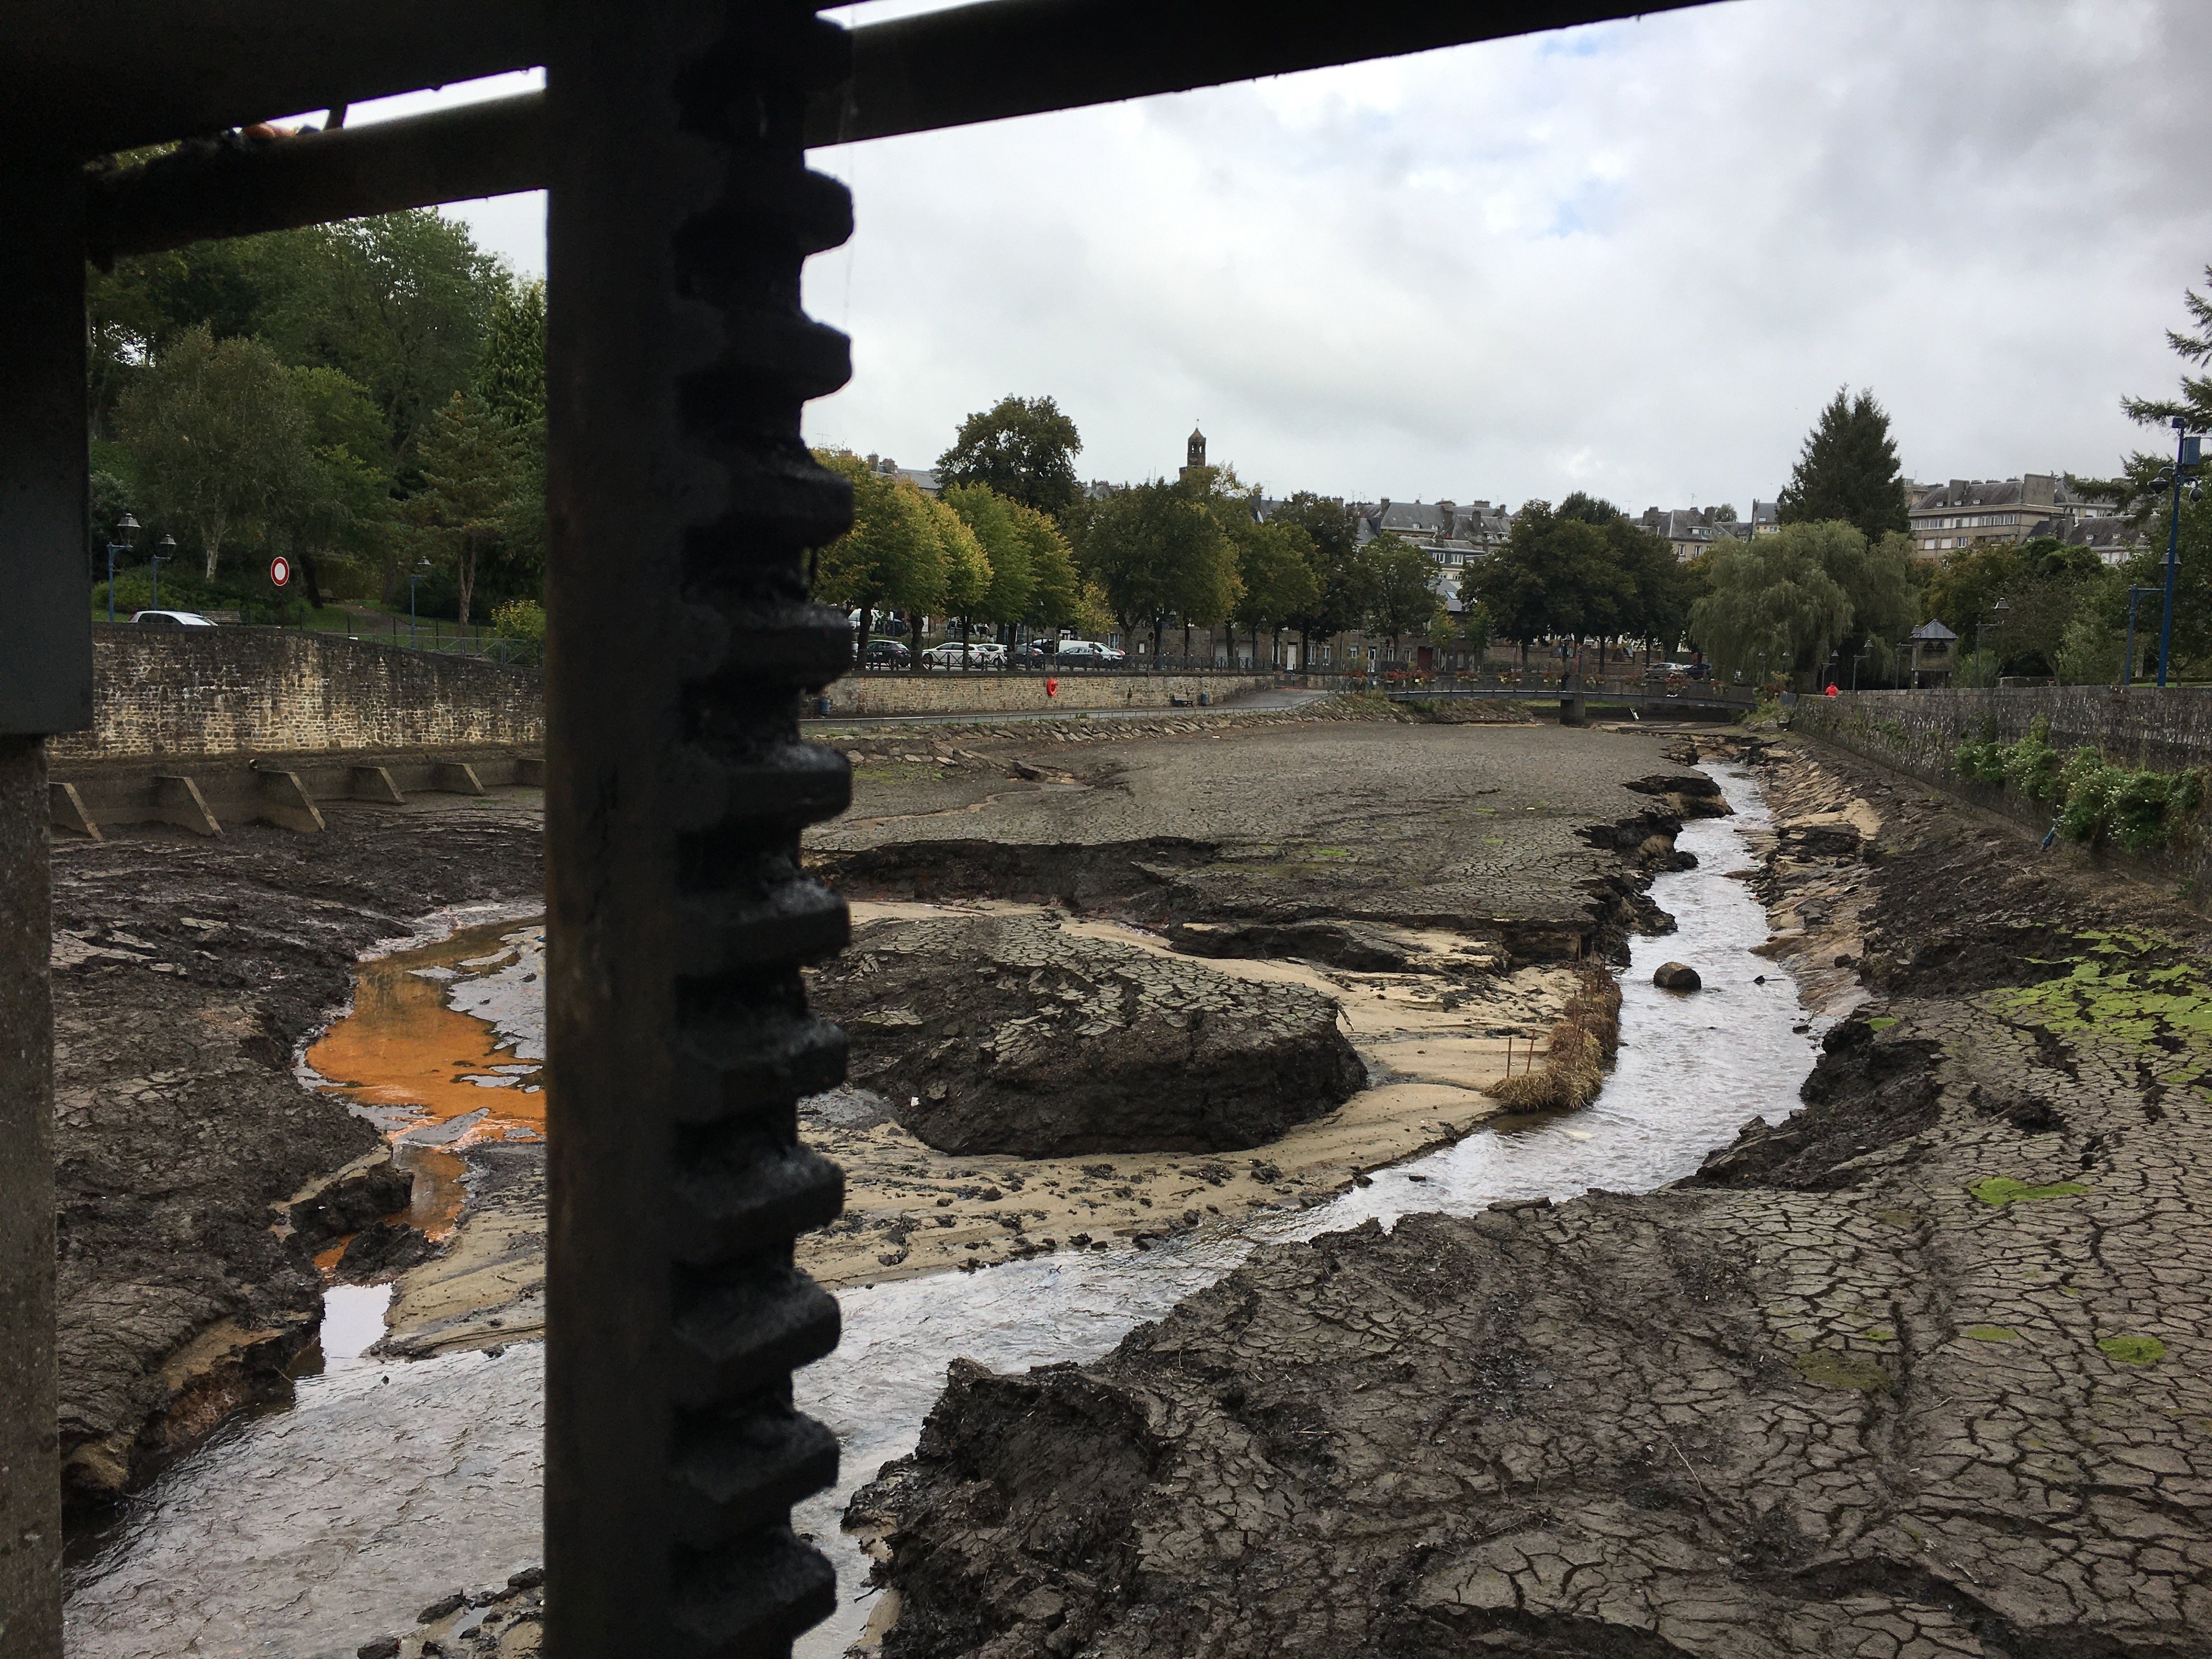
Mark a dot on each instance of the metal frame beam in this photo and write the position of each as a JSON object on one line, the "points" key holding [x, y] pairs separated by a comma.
{"points": [[965, 64]]}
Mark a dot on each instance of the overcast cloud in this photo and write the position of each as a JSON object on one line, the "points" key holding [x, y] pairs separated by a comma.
{"points": [[1633, 258]]}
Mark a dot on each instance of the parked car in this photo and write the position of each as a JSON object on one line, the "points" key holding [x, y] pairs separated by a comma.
{"points": [[1086, 652], [886, 653], [170, 619], [975, 654], [883, 622]]}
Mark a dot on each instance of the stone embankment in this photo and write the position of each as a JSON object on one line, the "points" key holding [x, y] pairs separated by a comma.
{"points": [[1920, 1370]]}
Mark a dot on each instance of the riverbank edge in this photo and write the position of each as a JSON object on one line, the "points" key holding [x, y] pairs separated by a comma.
{"points": [[1821, 952]]}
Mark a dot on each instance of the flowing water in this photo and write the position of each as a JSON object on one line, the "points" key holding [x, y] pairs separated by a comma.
{"points": [[310, 1529]]}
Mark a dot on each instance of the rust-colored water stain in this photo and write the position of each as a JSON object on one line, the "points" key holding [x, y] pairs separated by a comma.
{"points": [[403, 1051], [403, 1047]]}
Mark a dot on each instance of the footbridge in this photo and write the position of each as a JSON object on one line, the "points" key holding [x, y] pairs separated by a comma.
{"points": [[1678, 701]]}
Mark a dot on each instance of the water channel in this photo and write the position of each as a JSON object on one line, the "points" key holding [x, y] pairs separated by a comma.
{"points": [[311, 1528]]}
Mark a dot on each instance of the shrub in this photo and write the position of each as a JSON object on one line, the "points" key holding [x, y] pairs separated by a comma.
{"points": [[519, 619], [2095, 801]]}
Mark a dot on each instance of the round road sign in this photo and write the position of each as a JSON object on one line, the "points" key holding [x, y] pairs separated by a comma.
{"points": [[280, 570]]}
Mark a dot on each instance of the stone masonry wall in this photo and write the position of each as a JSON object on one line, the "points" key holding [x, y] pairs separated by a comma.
{"points": [[942, 693], [1916, 731], [224, 691]]}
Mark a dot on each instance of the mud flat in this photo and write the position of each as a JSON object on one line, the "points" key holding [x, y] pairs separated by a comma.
{"points": [[1920, 1370], [1442, 887], [187, 973]]}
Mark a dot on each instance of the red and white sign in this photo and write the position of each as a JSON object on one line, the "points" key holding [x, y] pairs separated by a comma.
{"points": [[280, 570]]}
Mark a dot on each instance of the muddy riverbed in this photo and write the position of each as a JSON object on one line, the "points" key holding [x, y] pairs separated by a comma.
{"points": [[387, 1482], [1919, 1370]]}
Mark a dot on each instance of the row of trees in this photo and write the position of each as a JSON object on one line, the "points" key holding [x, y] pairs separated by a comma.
{"points": [[1841, 584], [369, 397]]}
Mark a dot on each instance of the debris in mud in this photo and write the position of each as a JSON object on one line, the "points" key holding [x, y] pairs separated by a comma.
{"points": [[1356, 947], [383, 1249], [358, 1199], [1007, 1034], [1582, 1044]]}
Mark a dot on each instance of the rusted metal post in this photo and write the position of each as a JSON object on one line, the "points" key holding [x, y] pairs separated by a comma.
{"points": [[680, 638], [46, 686]]}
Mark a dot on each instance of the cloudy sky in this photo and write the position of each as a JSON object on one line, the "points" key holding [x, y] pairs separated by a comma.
{"points": [[1633, 258]]}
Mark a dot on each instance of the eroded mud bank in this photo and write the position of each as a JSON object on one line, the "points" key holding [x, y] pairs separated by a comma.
{"points": [[187, 974], [1919, 1370]]}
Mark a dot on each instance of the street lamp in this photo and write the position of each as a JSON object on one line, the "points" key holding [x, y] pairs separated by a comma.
{"points": [[1999, 608], [125, 527], [157, 559], [2186, 450], [422, 570]]}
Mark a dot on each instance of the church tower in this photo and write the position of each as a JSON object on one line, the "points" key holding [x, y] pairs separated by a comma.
{"points": [[1193, 453]]}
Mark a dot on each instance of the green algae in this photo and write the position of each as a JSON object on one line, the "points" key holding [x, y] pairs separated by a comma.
{"points": [[1897, 1217], [1879, 1333], [1998, 1191], [1826, 1369], [2133, 1350], [1993, 1332], [1881, 1022]]}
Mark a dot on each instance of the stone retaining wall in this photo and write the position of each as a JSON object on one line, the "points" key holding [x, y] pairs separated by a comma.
{"points": [[203, 693], [1917, 731], [940, 692]]}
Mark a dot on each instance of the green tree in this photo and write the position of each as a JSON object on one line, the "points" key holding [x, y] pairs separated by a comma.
{"points": [[343, 502], [1056, 591], [400, 302], [1405, 596], [472, 471], [1343, 576], [891, 556], [1774, 607], [216, 436], [1559, 576], [1274, 571], [1022, 447], [990, 517], [1848, 470], [510, 367], [967, 566], [1153, 550]]}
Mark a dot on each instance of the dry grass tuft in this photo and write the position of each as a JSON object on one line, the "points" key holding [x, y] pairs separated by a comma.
{"points": [[1582, 1045]]}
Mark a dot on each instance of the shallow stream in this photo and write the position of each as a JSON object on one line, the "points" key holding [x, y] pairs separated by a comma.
{"points": [[311, 1529]]}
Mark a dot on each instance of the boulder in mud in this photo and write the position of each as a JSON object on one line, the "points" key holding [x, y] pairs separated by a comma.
{"points": [[1676, 976], [355, 1201], [383, 1249], [1011, 1034]]}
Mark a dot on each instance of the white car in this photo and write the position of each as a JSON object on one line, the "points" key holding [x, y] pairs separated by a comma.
{"points": [[170, 619], [1086, 650], [953, 654]]}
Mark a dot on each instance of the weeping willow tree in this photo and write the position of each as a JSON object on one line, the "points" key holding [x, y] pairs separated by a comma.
{"points": [[1773, 606]]}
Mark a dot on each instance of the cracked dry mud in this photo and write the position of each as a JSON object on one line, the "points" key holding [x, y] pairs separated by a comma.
{"points": [[1005, 1033], [1921, 1371]]}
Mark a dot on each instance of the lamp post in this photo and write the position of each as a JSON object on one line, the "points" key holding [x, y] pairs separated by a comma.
{"points": [[2128, 664], [125, 527], [2186, 450], [422, 570], [157, 559], [1999, 608]]}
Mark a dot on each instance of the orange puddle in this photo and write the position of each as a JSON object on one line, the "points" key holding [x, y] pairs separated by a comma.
{"points": [[403, 1049]]}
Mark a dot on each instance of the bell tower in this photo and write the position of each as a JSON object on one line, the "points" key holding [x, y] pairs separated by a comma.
{"points": [[1193, 453]]}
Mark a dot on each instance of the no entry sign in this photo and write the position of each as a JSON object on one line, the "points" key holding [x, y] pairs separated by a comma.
{"points": [[280, 570]]}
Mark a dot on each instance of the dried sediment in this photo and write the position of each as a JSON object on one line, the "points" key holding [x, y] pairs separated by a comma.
{"points": [[1005, 1033], [1919, 1372]]}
